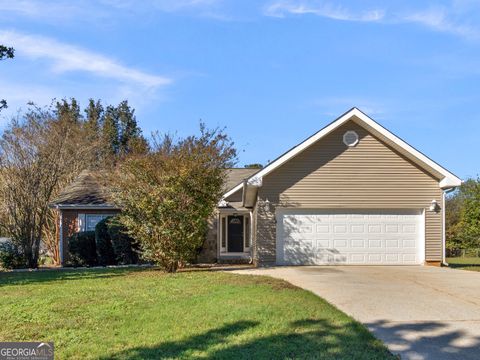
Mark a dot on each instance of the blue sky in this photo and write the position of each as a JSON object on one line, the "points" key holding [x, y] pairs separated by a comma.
{"points": [[272, 72]]}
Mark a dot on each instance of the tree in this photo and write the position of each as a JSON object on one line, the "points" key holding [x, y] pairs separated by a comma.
{"points": [[5, 53], [470, 214], [128, 127], [93, 119], [39, 154], [462, 217], [254, 166], [69, 111], [110, 133], [168, 195]]}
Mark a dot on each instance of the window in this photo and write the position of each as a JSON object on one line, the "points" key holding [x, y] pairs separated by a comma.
{"points": [[223, 234], [87, 222], [247, 232], [350, 138]]}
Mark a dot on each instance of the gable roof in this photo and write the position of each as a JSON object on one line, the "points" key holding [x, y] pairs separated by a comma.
{"points": [[236, 176], [447, 179]]}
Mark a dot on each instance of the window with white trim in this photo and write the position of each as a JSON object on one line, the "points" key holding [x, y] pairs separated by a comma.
{"points": [[87, 222], [350, 138]]}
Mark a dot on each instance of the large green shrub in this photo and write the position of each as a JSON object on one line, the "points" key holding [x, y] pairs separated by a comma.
{"points": [[10, 256], [124, 247], [103, 243], [83, 249]]}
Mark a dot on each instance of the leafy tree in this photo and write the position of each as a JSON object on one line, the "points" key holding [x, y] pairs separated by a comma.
{"points": [[254, 166], [462, 218], [470, 214], [5, 53], [39, 153], [168, 194]]}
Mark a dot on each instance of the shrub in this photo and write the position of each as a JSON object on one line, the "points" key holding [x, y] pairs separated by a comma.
{"points": [[83, 249], [103, 243], [124, 247], [10, 256]]}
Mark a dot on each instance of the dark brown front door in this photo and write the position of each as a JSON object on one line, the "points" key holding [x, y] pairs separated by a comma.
{"points": [[235, 234]]}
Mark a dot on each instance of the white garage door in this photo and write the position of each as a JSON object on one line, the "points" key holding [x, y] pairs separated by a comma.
{"points": [[316, 237]]}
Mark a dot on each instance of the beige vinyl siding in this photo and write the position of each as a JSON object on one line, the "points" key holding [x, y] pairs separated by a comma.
{"points": [[370, 175]]}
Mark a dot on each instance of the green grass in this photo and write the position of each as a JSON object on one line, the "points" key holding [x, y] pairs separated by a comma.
{"points": [[142, 314], [465, 263]]}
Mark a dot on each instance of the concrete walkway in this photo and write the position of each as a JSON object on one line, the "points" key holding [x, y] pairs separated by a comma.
{"points": [[419, 312]]}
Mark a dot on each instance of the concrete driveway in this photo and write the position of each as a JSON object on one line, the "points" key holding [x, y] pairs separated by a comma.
{"points": [[419, 312]]}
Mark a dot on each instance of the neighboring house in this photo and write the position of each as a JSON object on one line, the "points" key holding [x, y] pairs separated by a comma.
{"points": [[81, 206], [352, 193]]}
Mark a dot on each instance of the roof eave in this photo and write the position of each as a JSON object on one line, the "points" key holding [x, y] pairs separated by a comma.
{"points": [[449, 180], [84, 207]]}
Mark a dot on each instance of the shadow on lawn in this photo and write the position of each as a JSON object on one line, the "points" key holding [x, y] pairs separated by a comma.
{"points": [[33, 277], [305, 339]]}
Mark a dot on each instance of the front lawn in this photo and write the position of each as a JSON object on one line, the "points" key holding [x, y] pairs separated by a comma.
{"points": [[141, 314], [465, 263]]}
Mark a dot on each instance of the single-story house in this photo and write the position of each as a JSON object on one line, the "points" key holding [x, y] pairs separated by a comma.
{"points": [[81, 206], [352, 193]]}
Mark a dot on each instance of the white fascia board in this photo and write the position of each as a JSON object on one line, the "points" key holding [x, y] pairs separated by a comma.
{"points": [[449, 180], [232, 191], [86, 207]]}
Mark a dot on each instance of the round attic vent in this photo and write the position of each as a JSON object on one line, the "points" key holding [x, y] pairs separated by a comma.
{"points": [[350, 138]]}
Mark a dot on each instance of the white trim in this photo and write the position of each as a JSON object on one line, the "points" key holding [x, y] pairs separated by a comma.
{"points": [[246, 253], [281, 211], [449, 180], [423, 241], [350, 132], [223, 250], [81, 222], [87, 207], [444, 241], [60, 238]]}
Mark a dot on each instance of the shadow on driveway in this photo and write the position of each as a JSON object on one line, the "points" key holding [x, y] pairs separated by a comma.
{"points": [[427, 340]]}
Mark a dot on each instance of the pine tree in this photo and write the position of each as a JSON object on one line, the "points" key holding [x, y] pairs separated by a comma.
{"points": [[130, 133], [68, 111], [94, 119], [110, 132]]}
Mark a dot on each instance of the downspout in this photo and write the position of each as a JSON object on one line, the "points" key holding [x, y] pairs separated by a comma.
{"points": [[444, 240], [60, 237], [251, 237]]}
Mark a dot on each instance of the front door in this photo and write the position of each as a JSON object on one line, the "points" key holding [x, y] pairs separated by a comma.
{"points": [[235, 234]]}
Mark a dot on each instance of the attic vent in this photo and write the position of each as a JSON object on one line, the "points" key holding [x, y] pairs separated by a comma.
{"points": [[350, 138]]}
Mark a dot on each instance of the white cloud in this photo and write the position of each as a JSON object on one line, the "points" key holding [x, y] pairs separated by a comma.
{"points": [[64, 11], [323, 9], [53, 11], [438, 19], [65, 57]]}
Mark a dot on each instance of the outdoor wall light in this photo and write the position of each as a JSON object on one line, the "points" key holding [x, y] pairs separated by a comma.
{"points": [[434, 206], [266, 205]]}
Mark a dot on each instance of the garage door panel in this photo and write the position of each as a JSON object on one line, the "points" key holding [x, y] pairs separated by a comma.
{"points": [[342, 237]]}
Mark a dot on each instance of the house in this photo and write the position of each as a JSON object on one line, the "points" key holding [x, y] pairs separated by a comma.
{"points": [[352, 193], [81, 206]]}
